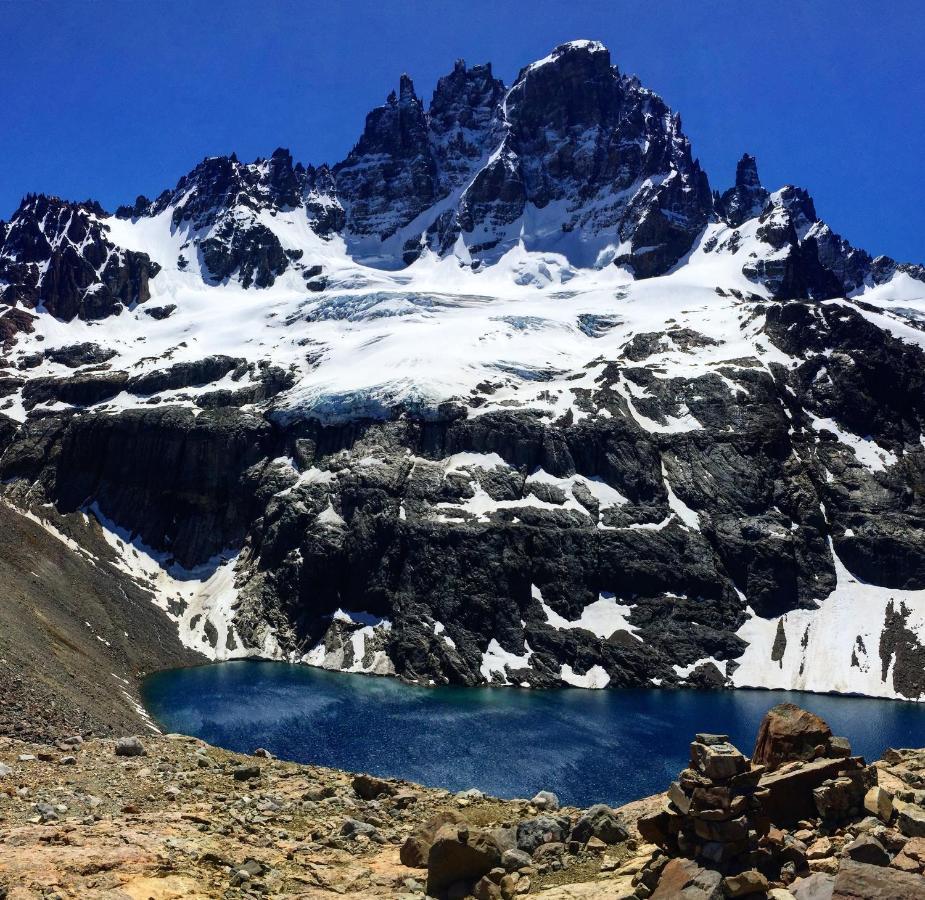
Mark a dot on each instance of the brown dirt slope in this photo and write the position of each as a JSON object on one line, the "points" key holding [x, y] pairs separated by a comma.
{"points": [[75, 634]]}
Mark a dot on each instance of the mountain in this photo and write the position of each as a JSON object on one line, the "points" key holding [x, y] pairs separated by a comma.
{"points": [[508, 395]]}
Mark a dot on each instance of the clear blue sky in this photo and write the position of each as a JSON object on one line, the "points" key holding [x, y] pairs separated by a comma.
{"points": [[111, 99]]}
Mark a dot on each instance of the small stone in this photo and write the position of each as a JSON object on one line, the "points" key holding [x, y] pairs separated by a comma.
{"points": [[354, 828], [240, 877], [253, 867], [130, 746], [508, 885], [718, 762], [879, 802], [745, 884], [867, 849], [679, 798], [27, 757], [512, 860], [829, 865], [820, 849], [67, 761], [532, 833], [404, 799], [262, 753], [595, 845], [599, 821], [47, 812], [486, 889], [246, 773], [711, 739], [5, 771], [910, 819]]}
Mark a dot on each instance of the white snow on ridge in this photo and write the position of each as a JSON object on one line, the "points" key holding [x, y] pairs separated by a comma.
{"points": [[422, 335], [679, 507], [201, 601], [834, 648], [868, 453]]}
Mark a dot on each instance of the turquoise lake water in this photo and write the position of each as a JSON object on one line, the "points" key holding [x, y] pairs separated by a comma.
{"points": [[587, 746]]}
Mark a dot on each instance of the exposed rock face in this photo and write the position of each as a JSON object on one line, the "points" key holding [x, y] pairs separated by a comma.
{"points": [[390, 177], [642, 480], [578, 132], [747, 198], [58, 254]]}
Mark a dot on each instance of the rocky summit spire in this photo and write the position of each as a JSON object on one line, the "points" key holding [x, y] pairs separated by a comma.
{"points": [[747, 198], [406, 92], [747, 173]]}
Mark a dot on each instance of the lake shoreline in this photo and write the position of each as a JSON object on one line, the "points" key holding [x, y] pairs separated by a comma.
{"points": [[312, 715]]}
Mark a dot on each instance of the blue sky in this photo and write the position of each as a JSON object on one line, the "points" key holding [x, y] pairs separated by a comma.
{"points": [[111, 99]]}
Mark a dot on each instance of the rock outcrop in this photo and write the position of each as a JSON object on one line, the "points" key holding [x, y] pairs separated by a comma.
{"points": [[58, 255], [509, 377]]}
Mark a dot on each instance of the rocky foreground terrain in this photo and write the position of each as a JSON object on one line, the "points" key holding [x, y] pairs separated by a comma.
{"points": [[168, 817]]}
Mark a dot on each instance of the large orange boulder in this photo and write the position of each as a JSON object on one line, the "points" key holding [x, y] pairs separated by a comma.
{"points": [[788, 733]]}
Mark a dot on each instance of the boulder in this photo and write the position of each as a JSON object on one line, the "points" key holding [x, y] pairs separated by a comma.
{"points": [[460, 854], [683, 879], [867, 849], [745, 884], [817, 886], [910, 818], [879, 802], [512, 860], [531, 833], [415, 850], [789, 733], [861, 881], [546, 800], [839, 798], [789, 796], [130, 746], [599, 821], [368, 787]]}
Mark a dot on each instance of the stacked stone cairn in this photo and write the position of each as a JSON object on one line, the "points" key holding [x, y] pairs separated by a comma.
{"points": [[714, 806], [803, 819]]}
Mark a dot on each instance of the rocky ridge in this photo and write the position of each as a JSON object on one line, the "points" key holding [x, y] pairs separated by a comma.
{"points": [[507, 396]]}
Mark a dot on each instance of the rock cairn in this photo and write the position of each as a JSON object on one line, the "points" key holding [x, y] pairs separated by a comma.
{"points": [[714, 811], [802, 819]]}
